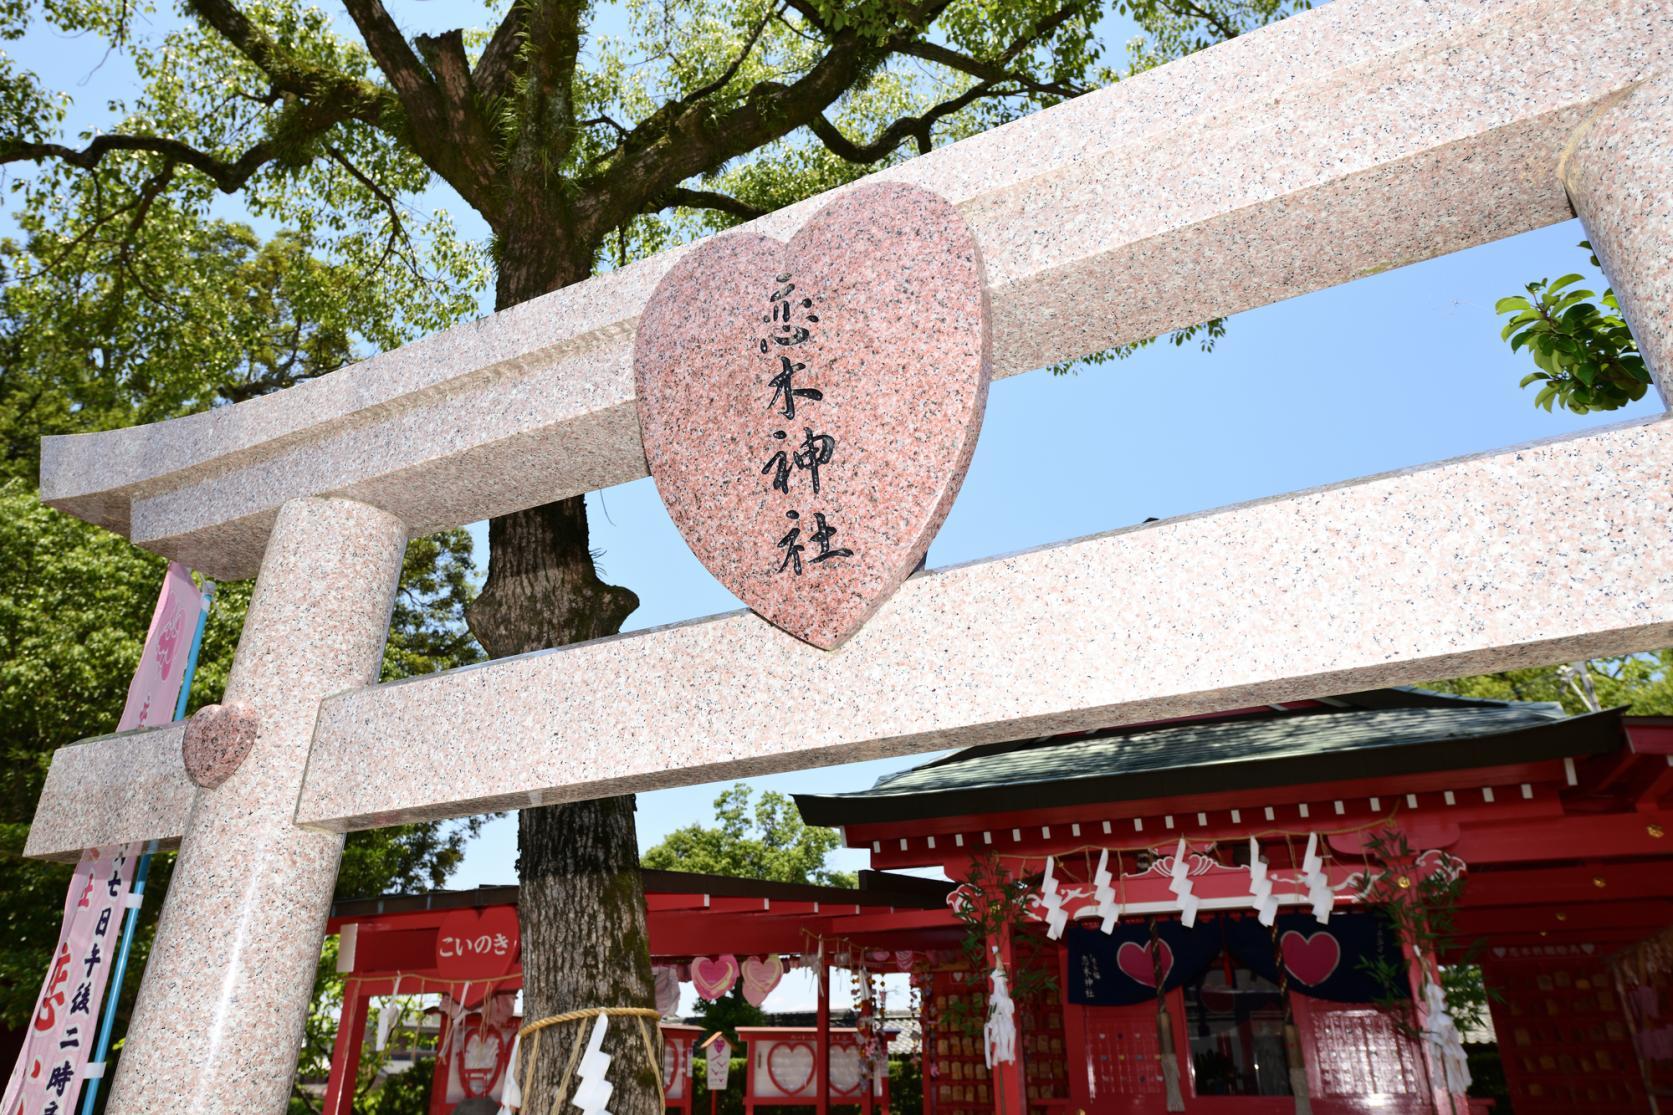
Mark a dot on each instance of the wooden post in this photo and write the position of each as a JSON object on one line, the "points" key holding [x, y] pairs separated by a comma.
{"points": [[822, 1039], [1010, 1095], [345, 1052]]}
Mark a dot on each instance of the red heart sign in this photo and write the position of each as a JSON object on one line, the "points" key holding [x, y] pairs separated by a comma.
{"points": [[1312, 960], [1135, 960], [809, 409], [477, 944]]}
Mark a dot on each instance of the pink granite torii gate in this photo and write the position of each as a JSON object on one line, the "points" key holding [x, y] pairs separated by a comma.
{"points": [[1362, 135]]}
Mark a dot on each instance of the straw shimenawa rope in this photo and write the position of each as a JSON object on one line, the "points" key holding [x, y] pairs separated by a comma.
{"points": [[534, 1029]]}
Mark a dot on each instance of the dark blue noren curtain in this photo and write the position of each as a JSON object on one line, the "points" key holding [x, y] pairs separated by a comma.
{"points": [[1118, 969], [1324, 961]]}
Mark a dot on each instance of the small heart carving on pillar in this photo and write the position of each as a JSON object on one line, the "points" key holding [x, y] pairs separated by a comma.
{"points": [[217, 739], [809, 408]]}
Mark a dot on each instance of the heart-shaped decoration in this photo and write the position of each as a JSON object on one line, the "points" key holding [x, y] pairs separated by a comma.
{"points": [[904, 958], [761, 975], [667, 982], [809, 408], [790, 1067], [714, 977], [477, 944], [1136, 962], [479, 1062], [1312, 960], [845, 1070], [217, 740]]}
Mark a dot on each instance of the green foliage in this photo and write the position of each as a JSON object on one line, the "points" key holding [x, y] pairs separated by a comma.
{"points": [[400, 1093], [1420, 900], [993, 903], [1585, 356], [766, 841], [727, 1013], [1640, 683]]}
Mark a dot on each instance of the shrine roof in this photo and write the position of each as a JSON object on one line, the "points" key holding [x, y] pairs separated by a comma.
{"points": [[877, 889], [1385, 732]]}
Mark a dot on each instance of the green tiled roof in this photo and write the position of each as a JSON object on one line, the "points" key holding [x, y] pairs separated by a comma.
{"points": [[1400, 729]]}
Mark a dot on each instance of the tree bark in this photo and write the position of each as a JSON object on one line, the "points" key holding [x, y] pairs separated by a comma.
{"points": [[582, 904]]}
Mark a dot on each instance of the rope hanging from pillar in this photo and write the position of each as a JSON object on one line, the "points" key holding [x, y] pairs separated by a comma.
{"points": [[578, 1043]]}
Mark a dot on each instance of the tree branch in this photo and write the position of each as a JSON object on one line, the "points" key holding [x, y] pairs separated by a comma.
{"points": [[493, 70], [548, 134], [227, 177], [290, 74], [731, 70], [446, 128], [907, 127], [706, 199]]}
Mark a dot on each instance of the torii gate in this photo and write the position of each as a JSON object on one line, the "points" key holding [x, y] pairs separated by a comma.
{"points": [[1364, 135]]}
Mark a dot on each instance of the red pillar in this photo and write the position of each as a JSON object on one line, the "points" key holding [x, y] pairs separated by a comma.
{"points": [[345, 1052], [1010, 1096], [822, 1040]]}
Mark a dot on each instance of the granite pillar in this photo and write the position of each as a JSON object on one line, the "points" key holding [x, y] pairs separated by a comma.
{"points": [[1618, 170], [226, 991]]}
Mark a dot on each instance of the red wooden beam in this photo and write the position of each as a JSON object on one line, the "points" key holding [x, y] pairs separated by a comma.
{"points": [[1319, 798]]}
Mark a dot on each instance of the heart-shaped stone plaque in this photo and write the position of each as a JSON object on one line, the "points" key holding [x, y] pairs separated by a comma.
{"points": [[809, 408], [216, 740]]}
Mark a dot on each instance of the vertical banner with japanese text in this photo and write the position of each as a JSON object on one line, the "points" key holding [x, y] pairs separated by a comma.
{"points": [[60, 1037]]}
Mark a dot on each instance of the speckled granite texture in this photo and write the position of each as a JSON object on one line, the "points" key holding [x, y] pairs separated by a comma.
{"points": [[1355, 137], [1534, 555], [217, 740], [1619, 174], [114, 789], [226, 989], [810, 408]]}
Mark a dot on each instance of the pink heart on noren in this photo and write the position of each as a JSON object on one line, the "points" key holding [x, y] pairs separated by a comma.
{"points": [[1140, 966], [809, 408], [761, 975], [216, 741], [714, 977], [1312, 960]]}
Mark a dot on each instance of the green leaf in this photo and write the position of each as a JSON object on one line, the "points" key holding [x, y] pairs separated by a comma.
{"points": [[1563, 282], [1514, 302]]}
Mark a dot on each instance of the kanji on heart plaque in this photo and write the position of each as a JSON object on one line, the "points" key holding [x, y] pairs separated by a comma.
{"points": [[809, 408]]}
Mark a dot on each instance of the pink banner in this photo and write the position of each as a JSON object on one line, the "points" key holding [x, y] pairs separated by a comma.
{"points": [[49, 1069], [156, 685], [52, 1064]]}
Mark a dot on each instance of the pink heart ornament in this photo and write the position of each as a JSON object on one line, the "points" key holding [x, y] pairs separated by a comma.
{"points": [[1135, 960], [854, 359], [1312, 960], [216, 741], [761, 975], [714, 977]]}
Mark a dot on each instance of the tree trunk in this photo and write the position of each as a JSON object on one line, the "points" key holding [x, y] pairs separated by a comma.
{"points": [[582, 905]]}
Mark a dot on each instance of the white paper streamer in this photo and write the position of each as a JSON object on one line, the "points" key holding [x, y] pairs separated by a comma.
{"points": [[999, 1036], [511, 1091], [1260, 886], [1057, 916], [1104, 894], [1442, 1033], [1318, 884], [389, 1016], [592, 1091], [1180, 884]]}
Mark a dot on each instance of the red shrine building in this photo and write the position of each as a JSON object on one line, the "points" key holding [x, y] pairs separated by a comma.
{"points": [[1254, 912]]}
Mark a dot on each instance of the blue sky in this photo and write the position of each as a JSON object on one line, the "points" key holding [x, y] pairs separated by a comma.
{"points": [[1388, 372]]}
